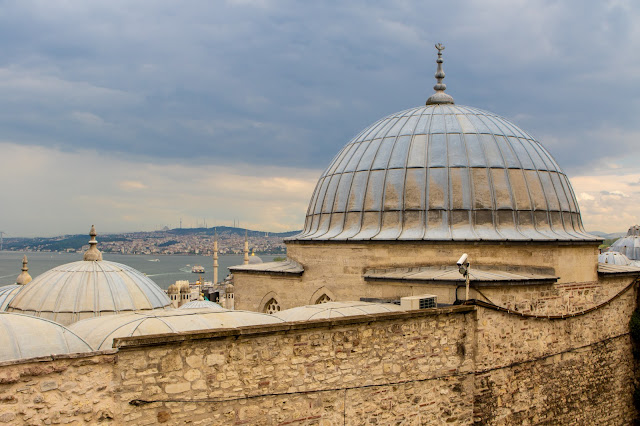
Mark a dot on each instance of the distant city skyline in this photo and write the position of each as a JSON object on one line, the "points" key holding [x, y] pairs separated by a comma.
{"points": [[133, 115]]}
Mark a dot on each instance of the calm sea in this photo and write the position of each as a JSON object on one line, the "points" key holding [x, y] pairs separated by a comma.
{"points": [[166, 271]]}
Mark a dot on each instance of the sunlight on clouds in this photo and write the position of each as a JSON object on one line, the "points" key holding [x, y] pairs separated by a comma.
{"points": [[609, 202], [76, 189], [131, 185]]}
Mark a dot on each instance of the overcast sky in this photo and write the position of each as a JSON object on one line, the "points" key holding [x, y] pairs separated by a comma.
{"points": [[134, 114]]}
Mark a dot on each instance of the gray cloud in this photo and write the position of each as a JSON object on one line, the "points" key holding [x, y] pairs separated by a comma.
{"points": [[291, 82], [287, 83]]}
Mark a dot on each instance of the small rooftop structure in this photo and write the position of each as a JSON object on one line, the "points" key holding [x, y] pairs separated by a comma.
{"points": [[335, 310], [24, 336], [430, 274], [100, 332], [88, 288]]}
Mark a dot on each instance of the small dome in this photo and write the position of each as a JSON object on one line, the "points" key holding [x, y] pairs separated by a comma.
{"points": [[173, 289], [253, 259], [184, 288], [7, 293], [229, 288], [100, 332], [202, 304], [335, 310], [629, 245], [23, 336], [614, 258], [84, 289]]}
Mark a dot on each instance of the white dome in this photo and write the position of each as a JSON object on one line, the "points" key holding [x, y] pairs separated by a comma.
{"points": [[7, 293], [335, 310], [85, 289], [23, 336], [100, 332]]}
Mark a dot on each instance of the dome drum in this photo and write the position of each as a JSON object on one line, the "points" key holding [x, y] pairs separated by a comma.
{"points": [[444, 172]]}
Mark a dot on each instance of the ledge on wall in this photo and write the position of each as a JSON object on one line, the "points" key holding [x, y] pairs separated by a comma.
{"points": [[450, 275]]}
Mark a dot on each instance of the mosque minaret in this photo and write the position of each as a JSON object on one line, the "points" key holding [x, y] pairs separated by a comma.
{"points": [[246, 249], [215, 258]]}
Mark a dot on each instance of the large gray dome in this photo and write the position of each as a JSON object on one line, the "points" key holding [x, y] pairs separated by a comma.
{"points": [[443, 172]]}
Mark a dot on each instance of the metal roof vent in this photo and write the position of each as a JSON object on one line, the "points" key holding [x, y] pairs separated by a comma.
{"points": [[424, 301]]}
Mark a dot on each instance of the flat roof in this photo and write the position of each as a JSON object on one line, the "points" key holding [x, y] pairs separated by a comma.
{"points": [[609, 268]]}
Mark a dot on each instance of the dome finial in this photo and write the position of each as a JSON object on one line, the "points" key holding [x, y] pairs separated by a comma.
{"points": [[24, 278], [93, 254], [439, 97]]}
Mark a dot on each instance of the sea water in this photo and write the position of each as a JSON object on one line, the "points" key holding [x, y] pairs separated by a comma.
{"points": [[166, 271]]}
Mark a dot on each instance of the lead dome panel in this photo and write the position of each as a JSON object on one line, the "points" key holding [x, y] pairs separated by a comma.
{"points": [[444, 172]]}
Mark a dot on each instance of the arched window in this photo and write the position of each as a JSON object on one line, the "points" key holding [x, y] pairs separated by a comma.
{"points": [[272, 306], [323, 299]]}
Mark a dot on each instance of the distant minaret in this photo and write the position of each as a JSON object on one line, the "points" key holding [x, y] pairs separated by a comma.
{"points": [[24, 278], [246, 248], [215, 257]]}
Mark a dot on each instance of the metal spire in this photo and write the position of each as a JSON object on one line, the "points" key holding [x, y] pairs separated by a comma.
{"points": [[93, 254], [439, 97], [24, 278]]}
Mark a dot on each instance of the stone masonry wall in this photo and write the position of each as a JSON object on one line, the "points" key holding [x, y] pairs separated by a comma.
{"points": [[370, 371], [59, 390], [459, 365], [561, 371]]}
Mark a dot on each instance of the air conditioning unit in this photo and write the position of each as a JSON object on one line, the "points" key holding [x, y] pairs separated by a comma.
{"points": [[424, 301]]}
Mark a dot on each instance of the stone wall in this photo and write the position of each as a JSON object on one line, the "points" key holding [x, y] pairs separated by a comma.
{"points": [[385, 369], [458, 365], [338, 268], [59, 390]]}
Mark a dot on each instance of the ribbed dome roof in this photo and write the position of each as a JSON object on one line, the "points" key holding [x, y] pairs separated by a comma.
{"points": [[23, 336], [443, 172], [614, 258], [335, 310], [84, 289], [202, 304], [7, 293], [100, 332]]}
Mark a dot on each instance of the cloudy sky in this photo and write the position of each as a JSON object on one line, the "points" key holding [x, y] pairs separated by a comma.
{"points": [[134, 114]]}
